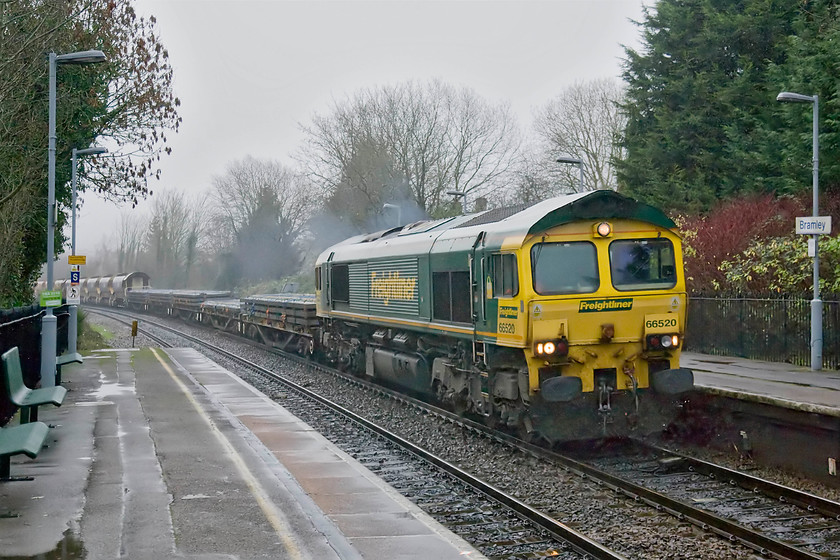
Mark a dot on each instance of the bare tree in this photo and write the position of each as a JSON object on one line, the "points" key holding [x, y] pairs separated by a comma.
{"points": [[414, 141], [534, 178], [173, 236], [129, 241], [582, 122], [260, 208]]}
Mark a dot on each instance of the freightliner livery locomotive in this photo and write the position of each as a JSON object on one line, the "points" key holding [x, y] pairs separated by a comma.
{"points": [[563, 319]]}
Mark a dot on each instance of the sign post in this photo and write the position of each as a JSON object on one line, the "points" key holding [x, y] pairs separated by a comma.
{"points": [[815, 226], [74, 299]]}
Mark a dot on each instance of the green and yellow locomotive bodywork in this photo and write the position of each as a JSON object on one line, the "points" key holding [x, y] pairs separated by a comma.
{"points": [[565, 318]]}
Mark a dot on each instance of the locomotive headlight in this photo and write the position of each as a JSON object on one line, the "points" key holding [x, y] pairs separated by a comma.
{"points": [[603, 229], [551, 348], [662, 341]]}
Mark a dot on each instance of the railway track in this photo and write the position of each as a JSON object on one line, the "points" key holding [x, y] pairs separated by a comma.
{"points": [[774, 521]]}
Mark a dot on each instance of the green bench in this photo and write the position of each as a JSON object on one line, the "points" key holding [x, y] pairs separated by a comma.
{"points": [[64, 359], [28, 400], [24, 439]]}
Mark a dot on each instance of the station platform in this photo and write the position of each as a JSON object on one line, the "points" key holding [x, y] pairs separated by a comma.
{"points": [[165, 454], [776, 384]]}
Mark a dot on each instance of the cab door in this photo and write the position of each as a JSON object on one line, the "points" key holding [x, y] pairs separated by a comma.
{"points": [[485, 305]]}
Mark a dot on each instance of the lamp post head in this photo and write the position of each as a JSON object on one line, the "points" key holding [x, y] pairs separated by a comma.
{"points": [[790, 97], [81, 57], [570, 159], [90, 151]]}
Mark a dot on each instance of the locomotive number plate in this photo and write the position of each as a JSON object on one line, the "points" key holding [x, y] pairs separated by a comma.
{"points": [[507, 328], [661, 322]]}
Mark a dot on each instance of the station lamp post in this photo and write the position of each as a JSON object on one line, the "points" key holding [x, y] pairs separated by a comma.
{"points": [[573, 161], [816, 303], [49, 322], [462, 196], [72, 326]]}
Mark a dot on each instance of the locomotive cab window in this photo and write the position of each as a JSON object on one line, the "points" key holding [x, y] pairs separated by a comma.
{"points": [[643, 264], [505, 276], [317, 277], [565, 268]]}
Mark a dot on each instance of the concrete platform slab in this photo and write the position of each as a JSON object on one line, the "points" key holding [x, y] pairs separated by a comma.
{"points": [[777, 384]]}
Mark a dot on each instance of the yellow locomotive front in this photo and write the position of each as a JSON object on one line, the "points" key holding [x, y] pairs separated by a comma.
{"points": [[605, 322]]}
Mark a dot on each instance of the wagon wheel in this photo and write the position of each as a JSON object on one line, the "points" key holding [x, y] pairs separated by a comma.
{"points": [[253, 332]]}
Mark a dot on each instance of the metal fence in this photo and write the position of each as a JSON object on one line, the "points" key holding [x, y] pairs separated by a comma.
{"points": [[777, 330]]}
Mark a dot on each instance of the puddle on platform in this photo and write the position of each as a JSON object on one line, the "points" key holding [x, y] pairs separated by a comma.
{"points": [[70, 547]]}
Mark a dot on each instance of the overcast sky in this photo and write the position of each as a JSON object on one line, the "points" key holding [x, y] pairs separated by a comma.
{"points": [[248, 73]]}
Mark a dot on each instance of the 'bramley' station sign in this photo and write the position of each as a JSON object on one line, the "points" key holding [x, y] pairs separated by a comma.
{"points": [[814, 225]]}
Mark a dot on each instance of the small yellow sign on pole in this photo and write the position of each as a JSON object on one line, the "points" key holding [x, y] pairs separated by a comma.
{"points": [[76, 259]]}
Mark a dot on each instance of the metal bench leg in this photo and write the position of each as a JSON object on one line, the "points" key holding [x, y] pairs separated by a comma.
{"points": [[24, 414], [33, 413], [5, 471]]}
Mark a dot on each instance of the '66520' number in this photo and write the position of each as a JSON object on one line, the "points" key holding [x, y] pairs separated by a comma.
{"points": [[507, 328], [660, 323]]}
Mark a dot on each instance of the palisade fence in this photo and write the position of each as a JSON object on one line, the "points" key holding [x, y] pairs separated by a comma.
{"points": [[762, 328]]}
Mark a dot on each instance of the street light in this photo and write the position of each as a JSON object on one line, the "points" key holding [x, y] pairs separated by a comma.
{"points": [[394, 207], [816, 303], [72, 326], [573, 161], [48, 323], [462, 196]]}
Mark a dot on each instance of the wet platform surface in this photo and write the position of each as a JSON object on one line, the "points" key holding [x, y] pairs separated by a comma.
{"points": [[777, 384], [165, 454]]}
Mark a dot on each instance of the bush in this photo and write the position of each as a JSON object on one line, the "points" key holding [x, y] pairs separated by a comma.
{"points": [[747, 245]]}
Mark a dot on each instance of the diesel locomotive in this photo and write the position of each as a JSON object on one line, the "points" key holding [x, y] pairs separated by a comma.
{"points": [[564, 319], [561, 320]]}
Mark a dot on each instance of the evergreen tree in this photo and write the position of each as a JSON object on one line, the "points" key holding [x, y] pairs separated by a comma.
{"points": [[810, 68], [699, 101]]}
